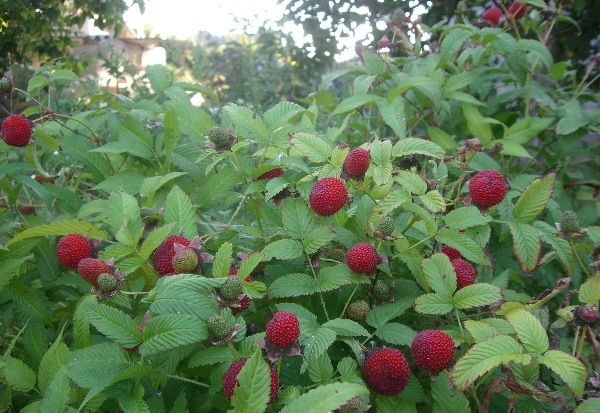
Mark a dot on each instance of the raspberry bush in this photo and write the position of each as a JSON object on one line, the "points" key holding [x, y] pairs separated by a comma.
{"points": [[146, 186]]}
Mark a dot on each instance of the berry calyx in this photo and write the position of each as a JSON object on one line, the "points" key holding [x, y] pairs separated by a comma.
{"points": [[73, 248], [16, 131], [487, 188], [185, 261], [432, 350], [218, 326], [386, 371], [230, 381], [90, 269], [362, 258], [163, 255], [517, 10], [358, 310], [493, 15], [283, 329], [465, 273], [273, 173], [357, 162], [452, 253], [328, 196], [231, 289], [107, 283]]}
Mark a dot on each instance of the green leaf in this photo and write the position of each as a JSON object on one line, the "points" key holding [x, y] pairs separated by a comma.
{"points": [[320, 369], [480, 331], [529, 330], [466, 217], [416, 146], [325, 398], [124, 218], [486, 356], [331, 278], [589, 406], [396, 334], [252, 394], [297, 219], [392, 201], [179, 209], [344, 327], [395, 404], [373, 61], [527, 245], [317, 344], [469, 249], [394, 115], [441, 138], [222, 261], [81, 322], [18, 375], [446, 400], [354, 102], [61, 227], [177, 299], [477, 295], [281, 113], [293, 285], [433, 201], [133, 401], [568, 368], [452, 43], [64, 75], [152, 184], [249, 264], [158, 76], [439, 274], [524, 130], [210, 356], [166, 332], [56, 396], [284, 249], [538, 49], [51, 362], [114, 324], [434, 304], [382, 314], [589, 292], [311, 146], [317, 238], [381, 156], [154, 239], [97, 365], [411, 182], [534, 198]]}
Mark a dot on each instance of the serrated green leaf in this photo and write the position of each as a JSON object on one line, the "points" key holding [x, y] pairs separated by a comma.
{"points": [[320, 370], [469, 249], [18, 375], [292, 285], [478, 125], [252, 394], [534, 198], [446, 400], [96, 366], [344, 327], [452, 43], [166, 332], [176, 299], [527, 245], [51, 362], [439, 274], [331, 278], [152, 184], [114, 324], [434, 303], [392, 201], [410, 146], [589, 406], [317, 238], [317, 344], [325, 398], [56, 396], [81, 322], [393, 114], [536, 48], [210, 356], [373, 61], [311, 146], [411, 182], [179, 209], [394, 404], [154, 239], [61, 227], [477, 295], [382, 314], [465, 217], [133, 401], [589, 292], [249, 264], [222, 261], [529, 331], [568, 368], [484, 357], [354, 102], [479, 330], [297, 219], [396, 334], [284, 249], [281, 113], [558, 244], [124, 218], [433, 201], [158, 76]]}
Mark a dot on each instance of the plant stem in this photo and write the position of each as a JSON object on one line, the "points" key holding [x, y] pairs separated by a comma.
{"points": [[312, 269], [576, 254], [462, 332], [581, 342], [233, 351], [349, 299], [575, 340], [172, 376]]}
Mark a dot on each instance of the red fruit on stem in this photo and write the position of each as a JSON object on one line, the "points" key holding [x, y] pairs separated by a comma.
{"points": [[517, 10], [163, 255], [273, 173], [73, 248], [432, 350], [487, 188], [328, 196], [90, 268], [362, 258], [230, 381], [493, 15], [283, 329], [16, 131], [386, 371], [465, 273], [357, 161], [452, 253]]}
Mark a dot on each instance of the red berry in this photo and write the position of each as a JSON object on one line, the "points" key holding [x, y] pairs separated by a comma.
{"points": [[432, 350], [273, 173], [362, 258], [73, 248], [465, 273], [163, 256], [452, 253], [493, 15], [230, 381], [357, 161], [487, 188], [16, 130], [517, 10], [283, 329], [90, 268], [328, 196], [386, 371]]}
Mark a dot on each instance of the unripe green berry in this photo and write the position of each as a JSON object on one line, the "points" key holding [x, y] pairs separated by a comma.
{"points": [[386, 225], [218, 326], [569, 223], [354, 405], [185, 261], [231, 289], [5, 85], [107, 283], [358, 310], [381, 291], [219, 137]]}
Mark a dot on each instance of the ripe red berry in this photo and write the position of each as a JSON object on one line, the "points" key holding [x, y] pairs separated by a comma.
{"points": [[493, 15], [362, 258], [273, 173], [452, 253], [163, 255], [465, 273], [73, 248], [357, 161], [432, 350], [230, 381], [283, 329], [16, 130], [90, 268], [517, 10], [487, 188], [328, 196], [386, 371]]}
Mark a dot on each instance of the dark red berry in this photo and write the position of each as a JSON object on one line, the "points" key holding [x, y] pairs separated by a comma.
{"points": [[162, 259], [283, 329], [357, 162], [73, 248], [16, 130], [328, 196], [362, 258], [432, 350], [386, 371], [465, 273], [487, 188]]}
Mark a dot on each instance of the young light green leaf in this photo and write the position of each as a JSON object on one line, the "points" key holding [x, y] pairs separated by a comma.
{"points": [[480, 331], [171, 135], [18, 375], [344, 327], [529, 330], [433, 201], [311, 146], [57, 393], [317, 238], [154, 239], [297, 219], [392, 201], [439, 274], [589, 406], [61, 227], [354, 102], [527, 245], [222, 261], [114, 324], [382, 314], [166, 332], [292, 285], [446, 400], [393, 114], [252, 394], [469, 249], [179, 209], [325, 398], [411, 181], [417, 146], [283, 249], [589, 292], [396, 334], [331, 278], [568, 368], [320, 370], [434, 304], [466, 217], [249, 264], [534, 198], [477, 295], [158, 76]]}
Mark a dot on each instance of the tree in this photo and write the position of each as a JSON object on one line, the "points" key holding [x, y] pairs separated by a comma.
{"points": [[43, 28]]}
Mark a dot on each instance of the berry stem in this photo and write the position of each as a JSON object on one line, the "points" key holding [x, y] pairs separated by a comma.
{"points": [[577, 331], [172, 376], [348, 301], [576, 254], [312, 269], [581, 342], [462, 332]]}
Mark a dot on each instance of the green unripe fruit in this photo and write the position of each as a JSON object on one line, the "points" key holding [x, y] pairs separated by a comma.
{"points": [[148, 216], [358, 310], [5, 85], [218, 326], [381, 291], [107, 283], [231, 289], [354, 405], [569, 223], [386, 225], [185, 261], [219, 137]]}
